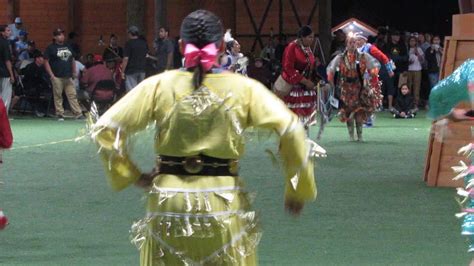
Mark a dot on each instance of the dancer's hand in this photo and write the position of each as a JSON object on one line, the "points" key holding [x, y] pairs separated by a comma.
{"points": [[145, 180], [458, 114], [294, 207]]}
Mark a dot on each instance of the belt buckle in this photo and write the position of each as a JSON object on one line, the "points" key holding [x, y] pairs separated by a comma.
{"points": [[193, 164], [234, 167]]}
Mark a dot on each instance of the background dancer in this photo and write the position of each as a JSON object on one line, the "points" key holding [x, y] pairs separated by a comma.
{"points": [[359, 96], [387, 65], [197, 210], [233, 60], [295, 84]]}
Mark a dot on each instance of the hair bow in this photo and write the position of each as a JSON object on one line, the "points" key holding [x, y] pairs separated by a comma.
{"points": [[206, 56]]}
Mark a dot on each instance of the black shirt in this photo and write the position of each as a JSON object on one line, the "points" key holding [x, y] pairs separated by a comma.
{"points": [[135, 50], [432, 61], [405, 103], [5, 55], [60, 58], [398, 53], [112, 53], [35, 78], [33, 74], [162, 49]]}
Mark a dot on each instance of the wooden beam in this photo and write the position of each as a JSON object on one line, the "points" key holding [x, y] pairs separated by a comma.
{"points": [[71, 21], [324, 25], [252, 21], [12, 10], [234, 16], [280, 17], [295, 12], [311, 14], [136, 14], [160, 14], [262, 22]]}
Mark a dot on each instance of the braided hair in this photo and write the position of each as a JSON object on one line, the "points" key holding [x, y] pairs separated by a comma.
{"points": [[200, 28]]}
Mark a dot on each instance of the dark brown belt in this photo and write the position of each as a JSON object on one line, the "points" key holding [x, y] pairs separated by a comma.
{"points": [[197, 165]]}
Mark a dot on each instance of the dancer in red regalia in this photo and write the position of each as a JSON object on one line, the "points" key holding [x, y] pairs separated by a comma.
{"points": [[295, 85], [6, 140]]}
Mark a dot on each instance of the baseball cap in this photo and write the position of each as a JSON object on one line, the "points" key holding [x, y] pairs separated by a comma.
{"points": [[18, 20], [31, 43], [58, 31], [23, 33], [98, 58], [133, 30]]}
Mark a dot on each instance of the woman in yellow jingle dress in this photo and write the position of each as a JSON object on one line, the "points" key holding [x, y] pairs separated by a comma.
{"points": [[197, 211]]}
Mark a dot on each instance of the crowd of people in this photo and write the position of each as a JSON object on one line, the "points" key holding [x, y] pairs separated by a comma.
{"points": [[33, 80], [62, 71]]}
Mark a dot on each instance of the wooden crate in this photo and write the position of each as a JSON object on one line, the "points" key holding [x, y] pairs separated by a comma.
{"points": [[442, 151], [442, 154], [456, 51]]}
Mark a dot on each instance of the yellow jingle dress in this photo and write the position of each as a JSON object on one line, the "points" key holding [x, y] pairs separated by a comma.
{"points": [[191, 219]]}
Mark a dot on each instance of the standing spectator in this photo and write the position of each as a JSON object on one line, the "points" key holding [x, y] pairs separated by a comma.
{"points": [[381, 39], [268, 52], [338, 44], [134, 62], [428, 38], [73, 44], [79, 70], [164, 50], [21, 48], [422, 43], [280, 48], [416, 58], [15, 28], [433, 57], [6, 70], [397, 51], [177, 57], [113, 51], [61, 67]]}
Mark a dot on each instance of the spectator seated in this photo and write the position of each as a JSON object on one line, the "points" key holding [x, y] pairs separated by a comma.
{"points": [[35, 86], [99, 85]]}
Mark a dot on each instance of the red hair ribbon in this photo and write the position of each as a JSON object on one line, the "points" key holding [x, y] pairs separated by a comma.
{"points": [[206, 56]]}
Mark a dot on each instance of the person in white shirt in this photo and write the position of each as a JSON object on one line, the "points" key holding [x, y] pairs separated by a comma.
{"points": [[15, 29], [79, 69], [415, 59]]}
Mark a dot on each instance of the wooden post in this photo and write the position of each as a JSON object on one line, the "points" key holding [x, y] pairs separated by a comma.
{"points": [[466, 6], [11, 10], [136, 14], [280, 17], [160, 14], [71, 22], [325, 37]]}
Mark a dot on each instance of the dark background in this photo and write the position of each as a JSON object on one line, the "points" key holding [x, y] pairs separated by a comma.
{"points": [[411, 15]]}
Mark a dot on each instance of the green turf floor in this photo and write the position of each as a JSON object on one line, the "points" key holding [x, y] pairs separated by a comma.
{"points": [[372, 205]]}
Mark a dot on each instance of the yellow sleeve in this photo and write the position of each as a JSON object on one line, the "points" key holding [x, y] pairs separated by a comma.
{"points": [[268, 111], [130, 114]]}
